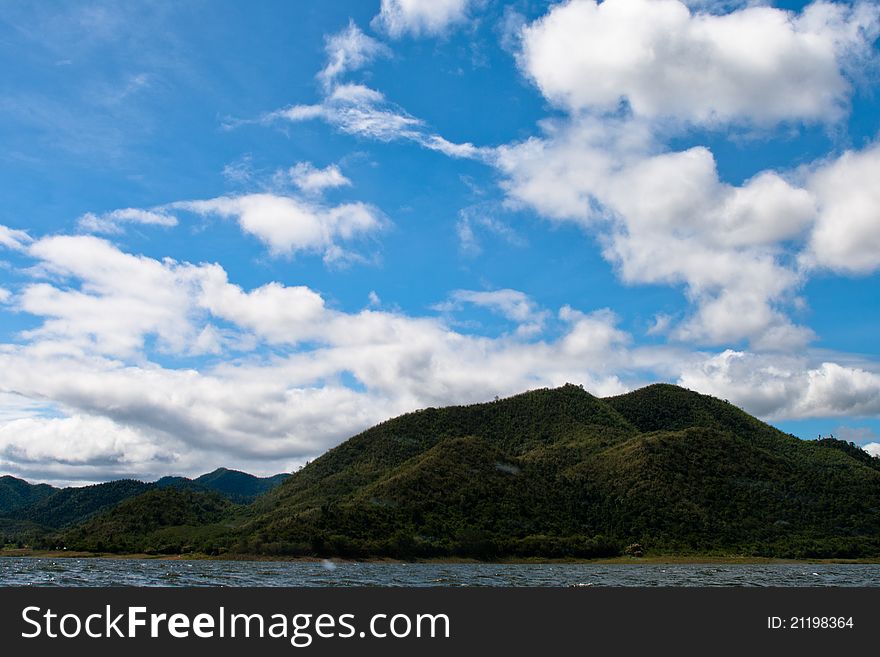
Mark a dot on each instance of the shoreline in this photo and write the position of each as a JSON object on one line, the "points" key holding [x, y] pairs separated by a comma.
{"points": [[624, 560]]}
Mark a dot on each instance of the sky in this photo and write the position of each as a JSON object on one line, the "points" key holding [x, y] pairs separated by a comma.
{"points": [[236, 234]]}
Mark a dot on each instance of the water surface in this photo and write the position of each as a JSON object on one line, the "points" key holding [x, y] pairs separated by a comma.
{"points": [[34, 571]]}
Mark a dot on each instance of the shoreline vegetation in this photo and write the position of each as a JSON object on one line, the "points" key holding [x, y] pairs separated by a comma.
{"points": [[623, 560], [558, 475]]}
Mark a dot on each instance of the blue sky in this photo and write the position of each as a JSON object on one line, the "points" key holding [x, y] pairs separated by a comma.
{"points": [[236, 234]]}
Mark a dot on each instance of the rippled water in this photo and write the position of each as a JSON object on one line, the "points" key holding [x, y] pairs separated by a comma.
{"points": [[30, 571]]}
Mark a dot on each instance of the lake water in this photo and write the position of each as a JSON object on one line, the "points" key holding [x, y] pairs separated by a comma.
{"points": [[30, 571]]}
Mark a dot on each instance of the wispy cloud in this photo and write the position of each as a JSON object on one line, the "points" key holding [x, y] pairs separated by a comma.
{"points": [[347, 51], [113, 222]]}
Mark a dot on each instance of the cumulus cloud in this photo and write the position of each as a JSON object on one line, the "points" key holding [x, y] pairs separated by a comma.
{"points": [[288, 225], [91, 361], [116, 411], [419, 17], [684, 226], [872, 448], [312, 180], [789, 387], [349, 50], [277, 313], [846, 237], [111, 300], [111, 222], [80, 447], [754, 63]]}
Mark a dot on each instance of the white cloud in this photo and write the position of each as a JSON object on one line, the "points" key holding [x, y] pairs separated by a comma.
{"points": [[120, 298], [276, 313], [79, 446], [289, 225], [312, 180], [420, 17], [5, 295], [13, 239], [349, 50], [846, 237], [684, 226], [117, 412], [464, 151], [872, 448], [358, 110], [786, 387], [90, 359], [755, 63], [513, 305], [110, 222]]}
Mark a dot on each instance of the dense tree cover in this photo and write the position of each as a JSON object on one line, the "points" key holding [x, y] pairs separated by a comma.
{"points": [[562, 473], [160, 521], [29, 513], [69, 506], [852, 450], [21, 533], [17, 493], [549, 473]]}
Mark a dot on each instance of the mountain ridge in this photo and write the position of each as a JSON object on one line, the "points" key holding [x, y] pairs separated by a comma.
{"points": [[544, 474]]}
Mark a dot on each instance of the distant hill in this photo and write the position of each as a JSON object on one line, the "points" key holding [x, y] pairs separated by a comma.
{"points": [[28, 511], [236, 486], [160, 521], [69, 506], [548, 473], [17, 493]]}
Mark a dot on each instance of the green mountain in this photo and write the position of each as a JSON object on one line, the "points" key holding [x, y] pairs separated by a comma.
{"points": [[28, 511], [161, 521], [548, 473], [563, 473], [17, 493], [239, 487], [69, 506]]}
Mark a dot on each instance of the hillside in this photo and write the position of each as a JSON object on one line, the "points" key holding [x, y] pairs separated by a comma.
{"points": [[234, 485], [563, 473], [17, 493], [29, 514], [548, 473], [69, 506], [160, 521]]}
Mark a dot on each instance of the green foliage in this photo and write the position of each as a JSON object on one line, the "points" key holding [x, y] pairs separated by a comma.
{"points": [[560, 473], [234, 485], [851, 449], [160, 521], [546, 474], [69, 506], [17, 493], [21, 534]]}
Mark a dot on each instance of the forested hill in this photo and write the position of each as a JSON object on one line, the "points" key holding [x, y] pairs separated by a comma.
{"points": [[234, 485], [563, 473], [547, 473]]}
